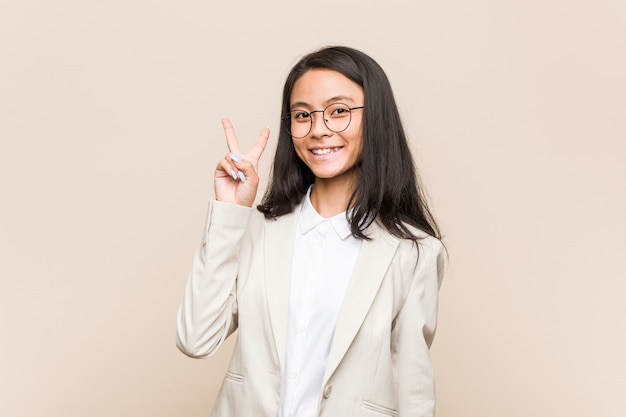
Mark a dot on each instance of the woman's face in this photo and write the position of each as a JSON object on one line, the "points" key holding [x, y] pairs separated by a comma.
{"points": [[328, 154]]}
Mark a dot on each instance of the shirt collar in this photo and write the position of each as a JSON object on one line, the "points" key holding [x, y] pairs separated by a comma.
{"points": [[310, 218]]}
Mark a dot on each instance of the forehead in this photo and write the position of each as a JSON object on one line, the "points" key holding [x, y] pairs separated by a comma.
{"points": [[319, 86]]}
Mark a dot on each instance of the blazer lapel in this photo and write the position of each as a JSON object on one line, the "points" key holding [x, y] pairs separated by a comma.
{"points": [[279, 238], [369, 271]]}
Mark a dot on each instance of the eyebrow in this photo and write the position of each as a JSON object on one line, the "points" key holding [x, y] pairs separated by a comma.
{"points": [[324, 104]]}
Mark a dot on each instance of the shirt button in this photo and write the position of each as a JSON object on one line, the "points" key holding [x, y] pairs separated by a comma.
{"points": [[328, 390]]}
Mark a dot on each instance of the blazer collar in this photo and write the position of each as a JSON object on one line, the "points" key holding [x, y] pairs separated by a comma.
{"points": [[369, 271], [279, 238]]}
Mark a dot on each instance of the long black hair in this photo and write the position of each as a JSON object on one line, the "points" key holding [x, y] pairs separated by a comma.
{"points": [[388, 189]]}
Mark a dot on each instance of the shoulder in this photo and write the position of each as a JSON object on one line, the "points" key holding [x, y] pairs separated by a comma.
{"points": [[259, 224], [427, 251], [424, 240]]}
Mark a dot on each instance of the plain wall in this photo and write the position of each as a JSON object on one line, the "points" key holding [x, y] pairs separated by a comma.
{"points": [[110, 132]]}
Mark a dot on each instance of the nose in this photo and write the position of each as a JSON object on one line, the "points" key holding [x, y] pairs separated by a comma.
{"points": [[318, 125]]}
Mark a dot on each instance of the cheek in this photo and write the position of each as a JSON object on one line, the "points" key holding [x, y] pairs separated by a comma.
{"points": [[299, 149], [355, 138], [357, 143]]}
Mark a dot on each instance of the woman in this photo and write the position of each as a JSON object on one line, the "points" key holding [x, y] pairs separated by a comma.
{"points": [[333, 282]]}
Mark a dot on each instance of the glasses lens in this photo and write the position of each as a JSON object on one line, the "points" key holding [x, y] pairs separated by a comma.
{"points": [[300, 123], [337, 117]]}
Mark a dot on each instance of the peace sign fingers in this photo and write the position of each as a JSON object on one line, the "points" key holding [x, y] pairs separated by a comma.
{"points": [[236, 179], [233, 144]]}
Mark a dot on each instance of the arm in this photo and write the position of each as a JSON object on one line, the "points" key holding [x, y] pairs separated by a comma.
{"points": [[416, 325], [208, 312]]}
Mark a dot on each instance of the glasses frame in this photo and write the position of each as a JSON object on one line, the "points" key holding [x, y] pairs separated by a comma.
{"points": [[323, 118]]}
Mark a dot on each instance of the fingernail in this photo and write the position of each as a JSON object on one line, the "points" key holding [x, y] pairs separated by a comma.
{"points": [[233, 174], [242, 177], [235, 157]]}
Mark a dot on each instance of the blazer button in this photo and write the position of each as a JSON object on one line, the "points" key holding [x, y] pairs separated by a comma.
{"points": [[327, 390]]}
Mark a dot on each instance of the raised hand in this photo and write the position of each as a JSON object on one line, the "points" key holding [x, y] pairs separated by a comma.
{"points": [[236, 178]]}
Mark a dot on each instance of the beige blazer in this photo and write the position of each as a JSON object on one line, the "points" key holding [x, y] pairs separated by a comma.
{"points": [[379, 363]]}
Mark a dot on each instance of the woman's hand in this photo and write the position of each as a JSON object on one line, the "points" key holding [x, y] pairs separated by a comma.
{"points": [[236, 178]]}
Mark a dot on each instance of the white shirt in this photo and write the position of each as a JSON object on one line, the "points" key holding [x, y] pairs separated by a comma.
{"points": [[324, 256]]}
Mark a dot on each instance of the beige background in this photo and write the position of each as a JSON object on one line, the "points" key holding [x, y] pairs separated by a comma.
{"points": [[109, 129]]}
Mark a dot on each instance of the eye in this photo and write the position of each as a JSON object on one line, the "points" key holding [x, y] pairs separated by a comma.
{"points": [[339, 110], [301, 115]]}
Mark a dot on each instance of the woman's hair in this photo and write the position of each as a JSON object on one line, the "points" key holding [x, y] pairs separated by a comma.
{"points": [[387, 189]]}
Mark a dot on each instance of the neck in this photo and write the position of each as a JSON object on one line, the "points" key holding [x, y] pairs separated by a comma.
{"points": [[329, 197]]}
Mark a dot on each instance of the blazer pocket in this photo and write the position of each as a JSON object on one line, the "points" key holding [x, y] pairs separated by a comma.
{"points": [[234, 377], [379, 409]]}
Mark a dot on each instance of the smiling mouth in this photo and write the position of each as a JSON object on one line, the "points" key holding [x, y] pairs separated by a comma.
{"points": [[324, 151]]}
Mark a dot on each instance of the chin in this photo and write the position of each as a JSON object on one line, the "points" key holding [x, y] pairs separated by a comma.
{"points": [[327, 173], [333, 174]]}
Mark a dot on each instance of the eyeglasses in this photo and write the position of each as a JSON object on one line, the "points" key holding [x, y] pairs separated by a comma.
{"points": [[336, 116]]}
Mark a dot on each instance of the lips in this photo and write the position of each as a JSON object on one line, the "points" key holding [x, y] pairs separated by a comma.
{"points": [[325, 151]]}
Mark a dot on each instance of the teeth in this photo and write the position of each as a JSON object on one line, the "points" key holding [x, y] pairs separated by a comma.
{"points": [[325, 151]]}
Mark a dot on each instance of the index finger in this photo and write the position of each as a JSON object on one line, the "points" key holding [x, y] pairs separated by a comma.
{"points": [[231, 138]]}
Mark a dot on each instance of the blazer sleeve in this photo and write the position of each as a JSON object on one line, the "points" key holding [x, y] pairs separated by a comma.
{"points": [[416, 324], [208, 312]]}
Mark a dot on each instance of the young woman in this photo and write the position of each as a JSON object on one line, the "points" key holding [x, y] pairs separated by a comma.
{"points": [[333, 280]]}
